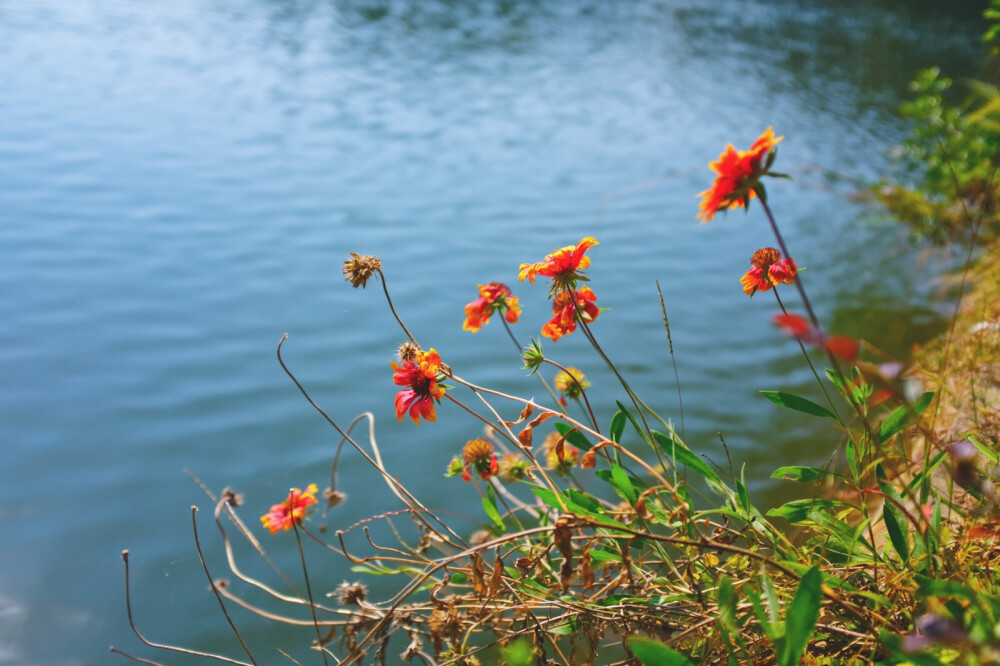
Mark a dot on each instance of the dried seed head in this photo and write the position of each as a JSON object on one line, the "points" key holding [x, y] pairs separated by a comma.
{"points": [[477, 451], [360, 268], [408, 351], [351, 594], [334, 497], [231, 497]]}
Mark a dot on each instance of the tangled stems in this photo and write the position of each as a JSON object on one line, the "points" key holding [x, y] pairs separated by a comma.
{"points": [[540, 378], [812, 317]]}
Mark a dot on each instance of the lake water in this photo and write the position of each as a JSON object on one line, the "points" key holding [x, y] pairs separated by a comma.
{"points": [[180, 182]]}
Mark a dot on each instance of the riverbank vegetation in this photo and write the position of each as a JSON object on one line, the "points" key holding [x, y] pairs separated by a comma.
{"points": [[614, 542]]}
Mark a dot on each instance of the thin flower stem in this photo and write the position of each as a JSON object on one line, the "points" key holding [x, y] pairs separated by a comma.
{"points": [[388, 299], [161, 646], [628, 389], [805, 354], [305, 574], [540, 378], [583, 391], [211, 581], [673, 359], [812, 316]]}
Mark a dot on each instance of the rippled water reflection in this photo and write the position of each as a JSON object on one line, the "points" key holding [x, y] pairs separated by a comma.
{"points": [[180, 181]]}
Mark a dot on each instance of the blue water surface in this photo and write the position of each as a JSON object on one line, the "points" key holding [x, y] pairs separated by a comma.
{"points": [[180, 182]]}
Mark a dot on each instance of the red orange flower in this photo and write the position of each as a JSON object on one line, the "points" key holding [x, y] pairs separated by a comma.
{"points": [[738, 173], [564, 312], [841, 346], [768, 270], [421, 376], [493, 297], [291, 511], [562, 265]]}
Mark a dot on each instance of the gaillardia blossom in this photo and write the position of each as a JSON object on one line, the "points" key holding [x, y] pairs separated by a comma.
{"points": [[291, 511], [768, 270], [564, 312], [420, 375], [738, 172], [493, 297], [562, 265]]}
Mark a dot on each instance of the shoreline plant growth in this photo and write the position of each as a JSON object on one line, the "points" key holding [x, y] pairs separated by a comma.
{"points": [[664, 560]]}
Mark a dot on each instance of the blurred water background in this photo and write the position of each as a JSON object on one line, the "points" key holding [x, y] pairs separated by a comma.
{"points": [[180, 182]]}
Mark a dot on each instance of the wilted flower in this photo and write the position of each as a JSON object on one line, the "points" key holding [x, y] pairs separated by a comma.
{"points": [[768, 270], [421, 376], [408, 351], [738, 173], [493, 297], [478, 455], [564, 312], [291, 511], [350, 594], [562, 265], [570, 382], [512, 467], [359, 269]]}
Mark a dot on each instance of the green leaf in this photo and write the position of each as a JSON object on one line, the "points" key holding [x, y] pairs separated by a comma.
{"points": [[985, 450], [851, 452], [583, 499], [617, 426], [802, 474], [631, 419], [798, 510], [800, 620], [574, 436], [620, 480], [895, 520], [743, 495], [797, 403], [683, 455], [903, 415], [490, 506], [651, 652]]}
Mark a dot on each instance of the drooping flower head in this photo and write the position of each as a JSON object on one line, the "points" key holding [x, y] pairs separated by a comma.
{"points": [[564, 312], [768, 270], [291, 511], [360, 268], [420, 375], [493, 297], [478, 455], [738, 174], [562, 265], [570, 383]]}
